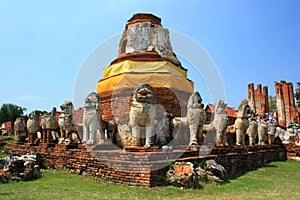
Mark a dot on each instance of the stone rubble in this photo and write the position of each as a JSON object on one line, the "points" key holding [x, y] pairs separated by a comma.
{"points": [[26, 167]]}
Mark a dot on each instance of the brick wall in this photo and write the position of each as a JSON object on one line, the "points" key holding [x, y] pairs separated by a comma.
{"points": [[145, 168], [115, 105]]}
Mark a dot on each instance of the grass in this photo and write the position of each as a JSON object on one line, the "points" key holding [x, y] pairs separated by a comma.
{"points": [[279, 180], [3, 141]]}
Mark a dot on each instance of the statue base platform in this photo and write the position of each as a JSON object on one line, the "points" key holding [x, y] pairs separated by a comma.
{"points": [[141, 166]]}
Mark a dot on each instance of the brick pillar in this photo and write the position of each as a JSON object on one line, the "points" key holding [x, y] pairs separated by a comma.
{"points": [[266, 99], [258, 99], [298, 104], [280, 104], [251, 96]]}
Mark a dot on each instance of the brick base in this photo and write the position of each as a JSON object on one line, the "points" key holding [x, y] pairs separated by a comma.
{"points": [[145, 168]]}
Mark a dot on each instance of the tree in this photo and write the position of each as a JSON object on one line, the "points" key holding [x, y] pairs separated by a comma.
{"points": [[10, 112], [243, 102], [272, 104]]}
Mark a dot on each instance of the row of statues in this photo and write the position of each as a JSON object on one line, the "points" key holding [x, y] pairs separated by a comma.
{"points": [[147, 126], [47, 128]]}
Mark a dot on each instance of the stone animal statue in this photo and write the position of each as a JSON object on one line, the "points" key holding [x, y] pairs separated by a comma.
{"points": [[33, 127], [284, 135], [49, 127], [68, 132], [241, 124], [271, 132], [91, 120], [220, 123], [20, 129], [195, 118], [262, 131], [142, 114], [252, 130], [163, 128]]}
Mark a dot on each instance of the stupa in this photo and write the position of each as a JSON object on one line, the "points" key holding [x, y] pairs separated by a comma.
{"points": [[145, 56]]}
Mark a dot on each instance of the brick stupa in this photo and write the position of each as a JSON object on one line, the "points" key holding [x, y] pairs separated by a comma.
{"points": [[145, 56]]}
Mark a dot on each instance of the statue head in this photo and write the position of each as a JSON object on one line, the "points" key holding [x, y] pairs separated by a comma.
{"points": [[220, 107], [92, 100], [195, 101], [144, 94], [67, 107]]}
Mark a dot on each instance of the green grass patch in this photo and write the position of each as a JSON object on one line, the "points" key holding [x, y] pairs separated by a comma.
{"points": [[3, 141], [279, 180]]}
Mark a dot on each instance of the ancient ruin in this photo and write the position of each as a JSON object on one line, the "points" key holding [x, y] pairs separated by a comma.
{"points": [[258, 99], [145, 117], [287, 111]]}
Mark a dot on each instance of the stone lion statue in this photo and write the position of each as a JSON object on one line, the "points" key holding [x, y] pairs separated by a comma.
{"points": [[195, 118], [20, 129], [92, 121], [220, 123], [142, 114], [68, 132], [262, 131], [33, 127], [50, 127], [252, 130], [241, 124], [271, 132]]}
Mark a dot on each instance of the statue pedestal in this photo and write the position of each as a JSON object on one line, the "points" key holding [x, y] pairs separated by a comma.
{"points": [[142, 149]]}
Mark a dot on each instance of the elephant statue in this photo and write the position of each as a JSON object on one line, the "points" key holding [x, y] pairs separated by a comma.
{"points": [[20, 129], [241, 124], [33, 128], [49, 127]]}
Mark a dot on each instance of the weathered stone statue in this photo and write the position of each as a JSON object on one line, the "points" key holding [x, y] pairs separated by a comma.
{"points": [[33, 127], [163, 128], [252, 130], [196, 117], [142, 114], [262, 131], [49, 127], [271, 132], [220, 123], [68, 132], [20, 129], [241, 124], [91, 120]]}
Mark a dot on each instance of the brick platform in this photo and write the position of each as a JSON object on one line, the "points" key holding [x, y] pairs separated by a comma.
{"points": [[145, 168], [292, 148]]}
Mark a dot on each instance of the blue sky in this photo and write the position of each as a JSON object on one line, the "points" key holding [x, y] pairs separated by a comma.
{"points": [[43, 44]]}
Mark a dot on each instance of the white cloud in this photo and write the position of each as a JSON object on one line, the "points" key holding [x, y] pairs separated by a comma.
{"points": [[27, 97]]}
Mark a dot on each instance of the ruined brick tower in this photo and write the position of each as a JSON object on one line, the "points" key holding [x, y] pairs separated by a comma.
{"points": [[258, 99], [285, 103], [145, 56]]}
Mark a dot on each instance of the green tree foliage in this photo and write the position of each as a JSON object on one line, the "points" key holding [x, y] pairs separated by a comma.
{"points": [[272, 104], [41, 113], [10, 112], [243, 102]]}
